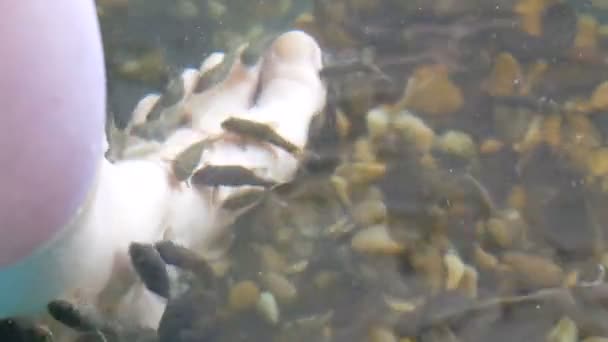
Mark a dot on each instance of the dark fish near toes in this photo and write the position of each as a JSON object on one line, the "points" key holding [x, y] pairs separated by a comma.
{"points": [[228, 175], [187, 160], [23, 330], [151, 268], [258, 131], [66, 313], [184, 258]]}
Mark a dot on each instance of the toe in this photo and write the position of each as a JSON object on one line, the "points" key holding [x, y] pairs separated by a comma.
{"points": [[232, 96], [291, 90]]}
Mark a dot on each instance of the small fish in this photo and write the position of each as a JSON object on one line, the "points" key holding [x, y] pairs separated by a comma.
{"points": [[243, 199], [69, 315], [255, 49], [248, 56], [339, 70], [23, 330], [182, 257], [174, 91], [258, 131], [93, 327], [185, 162], [356, 62], [151, 268], [218, 73], [165, 115], [228, 175], [317, 164]]}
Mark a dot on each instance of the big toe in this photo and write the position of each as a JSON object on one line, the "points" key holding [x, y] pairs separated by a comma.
{"points": [[291, 90], [293, 55], [297, 46]]}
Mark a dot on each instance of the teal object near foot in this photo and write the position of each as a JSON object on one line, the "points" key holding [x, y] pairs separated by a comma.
{"points": [[26, 286]]}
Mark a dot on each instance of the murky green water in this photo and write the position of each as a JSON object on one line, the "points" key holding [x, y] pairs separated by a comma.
{"points": [[468, 199]]}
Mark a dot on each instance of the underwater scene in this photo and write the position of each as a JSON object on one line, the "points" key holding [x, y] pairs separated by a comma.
{"points": [[342, 170]]}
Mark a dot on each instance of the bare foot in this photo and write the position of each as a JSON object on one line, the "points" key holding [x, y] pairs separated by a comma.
{"points": [[290, 95]]}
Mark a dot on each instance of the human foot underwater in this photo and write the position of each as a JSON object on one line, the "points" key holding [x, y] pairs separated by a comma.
{"points": [[68, 214]]}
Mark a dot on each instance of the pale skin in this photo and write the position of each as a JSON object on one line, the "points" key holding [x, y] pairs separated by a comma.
{"points": [[68, 215], [52, 112]]}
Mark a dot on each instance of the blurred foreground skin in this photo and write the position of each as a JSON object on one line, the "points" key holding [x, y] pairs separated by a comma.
{"points": [[84, 209], [52, 112]]}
